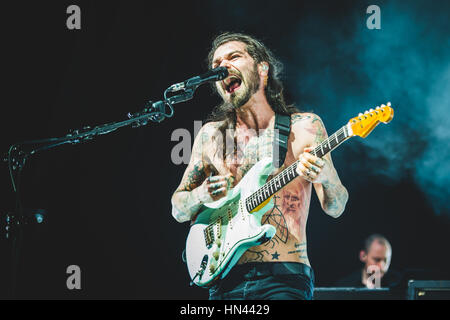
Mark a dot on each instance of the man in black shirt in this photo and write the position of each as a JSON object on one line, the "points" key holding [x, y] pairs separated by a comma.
{"points": [[376, 256]]}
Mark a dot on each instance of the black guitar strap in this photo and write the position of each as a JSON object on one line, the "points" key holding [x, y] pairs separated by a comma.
{"points": [[281, 136]]}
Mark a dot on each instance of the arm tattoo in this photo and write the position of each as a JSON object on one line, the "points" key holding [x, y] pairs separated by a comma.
{"points": [[187, 199], [298, 117], [336, 197], [184, 209], [319, 130], [195, 177], [335, 194]]}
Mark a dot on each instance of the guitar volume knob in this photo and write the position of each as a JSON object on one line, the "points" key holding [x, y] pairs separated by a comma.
{"points": [[216, 255]]}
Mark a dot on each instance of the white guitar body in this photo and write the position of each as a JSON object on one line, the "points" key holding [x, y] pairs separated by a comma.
{"points": [[224, 229]]}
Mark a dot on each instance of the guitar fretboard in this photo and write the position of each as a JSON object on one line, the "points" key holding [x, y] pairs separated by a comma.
{"points": [[290, 173]]}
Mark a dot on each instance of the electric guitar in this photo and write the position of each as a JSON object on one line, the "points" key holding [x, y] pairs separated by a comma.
{"points": [[224, 229]]}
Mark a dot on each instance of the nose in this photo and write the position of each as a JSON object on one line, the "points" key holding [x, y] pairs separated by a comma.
{"points": [[225, 63], [380, 266]]}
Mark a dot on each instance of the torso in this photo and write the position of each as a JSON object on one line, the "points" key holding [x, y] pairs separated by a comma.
{"points": [[290, 212]]}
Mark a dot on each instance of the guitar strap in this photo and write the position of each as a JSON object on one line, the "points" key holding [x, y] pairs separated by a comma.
{"points": [[280, 144]]}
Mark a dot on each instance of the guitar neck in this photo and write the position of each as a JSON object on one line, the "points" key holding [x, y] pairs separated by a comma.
{"points": [[290, 173]]}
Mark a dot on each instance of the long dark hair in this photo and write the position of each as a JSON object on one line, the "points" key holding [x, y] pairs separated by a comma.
{"points": [[224, 112], [274, 89]]}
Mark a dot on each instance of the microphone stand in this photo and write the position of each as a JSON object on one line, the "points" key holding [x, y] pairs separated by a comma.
{"points": [[16, 159]]}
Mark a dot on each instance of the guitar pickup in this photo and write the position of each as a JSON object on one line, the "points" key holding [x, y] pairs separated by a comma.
{"points": [[230, 218], [219, 228], [208, 234]]}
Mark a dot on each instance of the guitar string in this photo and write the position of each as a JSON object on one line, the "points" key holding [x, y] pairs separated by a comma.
{"points": [[285, 173], [260, 193]]}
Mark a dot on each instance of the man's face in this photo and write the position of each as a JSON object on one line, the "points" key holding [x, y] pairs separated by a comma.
{"points": [[378, 255], [243, 79], [291, 201]]}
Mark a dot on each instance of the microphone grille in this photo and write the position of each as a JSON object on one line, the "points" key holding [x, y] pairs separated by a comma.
{"points": [[222, 72]]}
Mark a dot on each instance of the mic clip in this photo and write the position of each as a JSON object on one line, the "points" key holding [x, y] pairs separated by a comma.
{"points": [[177, 87], [157, 108]]}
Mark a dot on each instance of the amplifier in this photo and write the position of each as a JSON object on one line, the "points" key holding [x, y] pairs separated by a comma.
{"points": [[428, 290]]}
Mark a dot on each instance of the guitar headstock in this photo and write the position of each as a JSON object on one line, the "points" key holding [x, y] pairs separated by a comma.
{"points": [[365, 122]]}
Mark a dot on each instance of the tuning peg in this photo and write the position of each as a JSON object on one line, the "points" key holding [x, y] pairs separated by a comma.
{"points": [[389, 104], [360, 114], [377, 108], [366, 112], [371, 110]]}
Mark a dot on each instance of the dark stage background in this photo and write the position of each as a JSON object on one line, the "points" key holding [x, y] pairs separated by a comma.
{"points": [[108, 200]]}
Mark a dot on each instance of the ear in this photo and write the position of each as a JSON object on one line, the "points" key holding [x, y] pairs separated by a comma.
{"points": [[362, 256], [263, 68]]}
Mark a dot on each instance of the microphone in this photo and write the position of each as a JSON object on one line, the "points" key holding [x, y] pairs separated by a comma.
{"points": [[215, 74]]}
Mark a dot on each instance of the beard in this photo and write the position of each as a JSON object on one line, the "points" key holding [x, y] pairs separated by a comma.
{"points": [[248, 88], [240, 97]]}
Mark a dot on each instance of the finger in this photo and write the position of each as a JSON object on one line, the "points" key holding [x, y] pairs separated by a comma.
{"points": [[303, 171], [218, 192], [315, 169], [313, 159], [312, 165], [229, 178], [305, 161], [226, 178], [319, 162], [312, 176], [218, 179], [212, 179], [301, 168], [217, 185], [309, 156], [307, 173]]}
